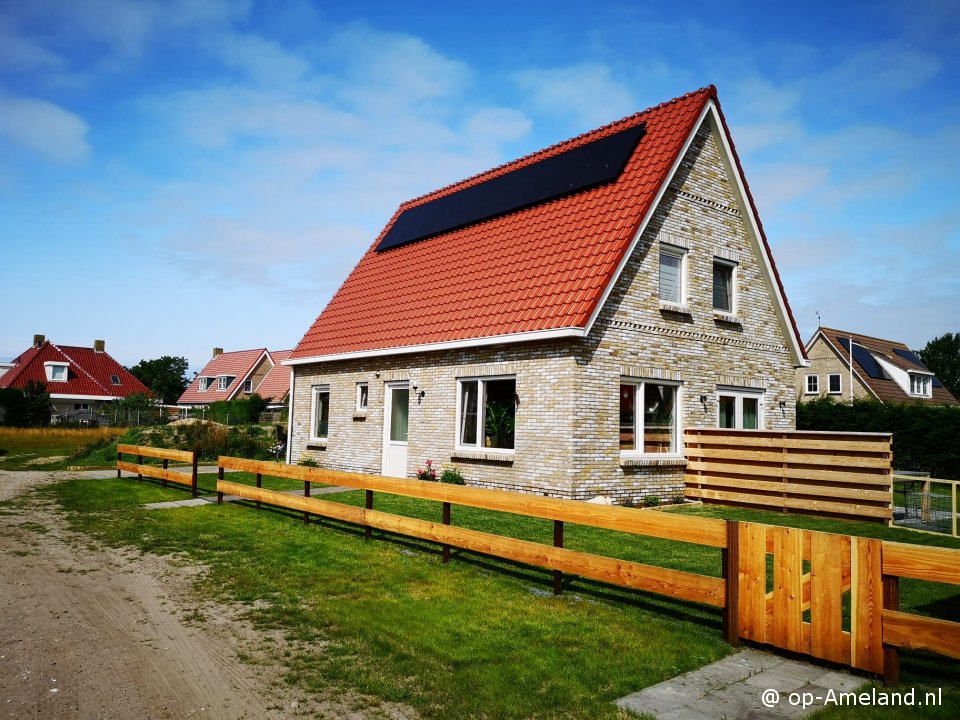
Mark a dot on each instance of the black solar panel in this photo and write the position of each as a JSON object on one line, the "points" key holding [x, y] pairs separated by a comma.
{"points": [[576, 169], [910, 356], [870, 366]]}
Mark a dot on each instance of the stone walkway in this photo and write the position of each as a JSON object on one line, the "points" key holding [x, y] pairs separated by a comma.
{"points": [[748, 685]]}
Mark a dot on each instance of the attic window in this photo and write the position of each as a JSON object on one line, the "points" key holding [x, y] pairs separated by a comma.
{"points": [[204, 384], [920, 385], [56, 371], [115, 379], [223, 381]]}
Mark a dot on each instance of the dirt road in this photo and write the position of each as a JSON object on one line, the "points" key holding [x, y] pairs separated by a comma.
{"points": [[97, 633]]}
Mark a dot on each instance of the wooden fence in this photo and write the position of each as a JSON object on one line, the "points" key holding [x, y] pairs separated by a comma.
{"points": [[928, 504], [162, 473], [809, 571], [835, 474]]}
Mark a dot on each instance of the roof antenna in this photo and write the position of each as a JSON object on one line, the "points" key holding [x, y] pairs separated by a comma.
{"points": [[819, 324]]}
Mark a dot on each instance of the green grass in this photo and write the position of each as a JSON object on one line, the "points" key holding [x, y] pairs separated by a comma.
{"points": [[477, 637]]}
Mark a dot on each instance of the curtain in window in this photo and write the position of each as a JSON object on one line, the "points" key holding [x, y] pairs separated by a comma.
{"points": [[751, 413]]}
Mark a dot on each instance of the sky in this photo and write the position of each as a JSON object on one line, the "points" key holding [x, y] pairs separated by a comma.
{"points": [[178, 176]]}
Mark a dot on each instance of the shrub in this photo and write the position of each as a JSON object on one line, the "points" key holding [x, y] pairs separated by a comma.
{"points": [[451, 474], [651, 501], [428, 473], [308, 462]]}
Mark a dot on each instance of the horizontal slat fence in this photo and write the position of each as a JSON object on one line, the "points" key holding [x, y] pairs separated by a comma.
{"points": [[163, 473], [836, 474], [810, 572]]}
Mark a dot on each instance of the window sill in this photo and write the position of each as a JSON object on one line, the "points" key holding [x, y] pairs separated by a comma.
{"points": [[359, 414], [674, 308], [493, 455], [652, 461], [316, 444], [726, 317]]}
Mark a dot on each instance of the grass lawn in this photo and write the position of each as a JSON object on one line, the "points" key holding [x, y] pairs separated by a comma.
{"points": [[51, 448], [477, 637]]}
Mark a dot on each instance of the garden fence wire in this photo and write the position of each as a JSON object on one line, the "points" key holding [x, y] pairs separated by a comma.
{"points": [[924, 503]]}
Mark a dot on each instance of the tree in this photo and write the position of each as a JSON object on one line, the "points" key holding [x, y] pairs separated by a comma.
{"points": [[942, 356], [166, 377]]}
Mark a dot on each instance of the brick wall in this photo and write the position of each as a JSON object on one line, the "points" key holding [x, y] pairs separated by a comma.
{"points": [[823, 362]]}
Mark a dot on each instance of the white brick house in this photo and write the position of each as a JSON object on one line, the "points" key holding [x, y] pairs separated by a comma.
{"points": [[553, 324]]}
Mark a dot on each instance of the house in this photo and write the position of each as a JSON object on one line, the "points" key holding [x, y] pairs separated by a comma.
{"points": [[79, 379], [846, 365], [235, 375], [552, 325]]}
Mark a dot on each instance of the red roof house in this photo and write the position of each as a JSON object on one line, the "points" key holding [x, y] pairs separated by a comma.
{"points": [[78, 379], [535, 322], [233, 375]]}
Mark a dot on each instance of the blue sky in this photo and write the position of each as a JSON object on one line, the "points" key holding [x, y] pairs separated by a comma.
{"points": [[181, 175]]}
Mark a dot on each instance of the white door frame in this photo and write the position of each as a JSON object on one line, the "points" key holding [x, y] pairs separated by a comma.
{"points": [[392, 448]]}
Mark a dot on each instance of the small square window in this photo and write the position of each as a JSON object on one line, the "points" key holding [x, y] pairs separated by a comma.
{"points": [[834, 383], [723, 286], [58, 373], [920, 385], [740, 410], [813, 385], [223, 382], [363, 395], [115, 379]]}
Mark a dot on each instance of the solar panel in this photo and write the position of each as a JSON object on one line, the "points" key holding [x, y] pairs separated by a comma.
{"points": [[576, 169], [869, 364], [910, 356]]}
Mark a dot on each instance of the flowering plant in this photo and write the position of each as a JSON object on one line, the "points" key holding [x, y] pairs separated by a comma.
{"points": [[429, 472]]}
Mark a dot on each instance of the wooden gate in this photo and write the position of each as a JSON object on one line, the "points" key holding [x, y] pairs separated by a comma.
{"points": [[793, 587]]}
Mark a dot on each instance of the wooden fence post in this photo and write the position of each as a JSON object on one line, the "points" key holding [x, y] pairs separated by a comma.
{"points": [[446, 521], [193, 474], [259, 484], [368, 531], [891, 654], [119, 459], [306, 494], [166, 465], [139, 462], [557, 542], [730, 557], [219, 478]]}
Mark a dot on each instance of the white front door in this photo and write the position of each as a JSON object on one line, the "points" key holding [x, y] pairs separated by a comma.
{"points": [[396, 402]]}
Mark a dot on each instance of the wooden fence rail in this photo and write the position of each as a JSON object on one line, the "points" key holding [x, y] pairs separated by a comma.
{"points": [[837, 474], [810, 573], [163, 473]]}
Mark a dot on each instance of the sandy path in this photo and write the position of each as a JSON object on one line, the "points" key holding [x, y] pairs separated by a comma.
{"points": [[102, 634]]}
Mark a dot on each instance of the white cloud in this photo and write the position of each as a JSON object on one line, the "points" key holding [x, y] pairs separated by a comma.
{"points": [[586, 92], [498, 124], [44, 128]]}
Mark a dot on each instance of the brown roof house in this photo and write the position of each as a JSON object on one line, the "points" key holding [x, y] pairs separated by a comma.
{"points": [[79, 379], [846, 365], [553, 324], [239, 374]]}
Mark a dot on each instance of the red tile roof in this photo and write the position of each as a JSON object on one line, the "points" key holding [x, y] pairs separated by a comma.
{"points": [[541, 268], [90, 373], [237, 365], [276, 384]]}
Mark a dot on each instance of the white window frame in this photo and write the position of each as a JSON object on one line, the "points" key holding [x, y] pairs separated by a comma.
{"points": [[732, 266], [481, 416], [115, 379], [681, 254], [52, 367], [204, 384], [248, 386], [839, 390], [739, 394], [811, 388], [224, 381], [363, 398], [315, 392], [639, 420], [921, 385]]}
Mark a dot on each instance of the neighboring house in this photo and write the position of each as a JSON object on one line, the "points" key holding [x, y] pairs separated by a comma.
{"points": [[846, 365], [552, 325], [80, 380], [236, 375]]}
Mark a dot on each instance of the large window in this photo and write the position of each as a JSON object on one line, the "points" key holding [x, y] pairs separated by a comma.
{"points": [[487, 412], [739, 410], [648, 417], [723, 286], [320, 413], [223, 381], [672, 262]]}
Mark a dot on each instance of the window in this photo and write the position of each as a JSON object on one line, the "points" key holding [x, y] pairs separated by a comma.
{"points": [[487, 412], [81, 406], [813, 385], [672, 271], [248, 386], [115, 379], [57, 371], [648, 417], [223, 382], [920, 385], [363, 395], [320, 414], [204, 384], [739, 410], [833, 383], [723, 286]]}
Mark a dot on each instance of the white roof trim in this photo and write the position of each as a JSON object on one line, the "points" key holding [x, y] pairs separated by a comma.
{"points": [[452, 345], [61, 396]]}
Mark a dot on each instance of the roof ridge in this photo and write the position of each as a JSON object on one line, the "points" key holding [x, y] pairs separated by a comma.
{"points": [[868, 337], [448, 189], [79, 366]]}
